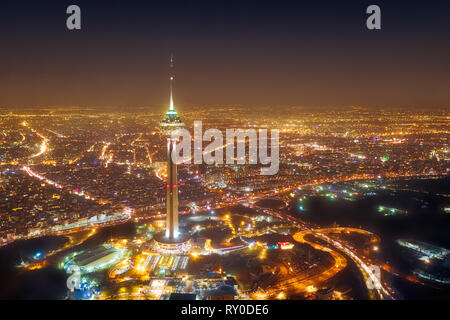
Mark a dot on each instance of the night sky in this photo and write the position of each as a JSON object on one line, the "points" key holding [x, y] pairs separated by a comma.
{"points": [[252, 53]]}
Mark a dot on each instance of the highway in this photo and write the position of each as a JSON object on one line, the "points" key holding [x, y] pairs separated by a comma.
{"points": [[381, 291], [304, 281]]}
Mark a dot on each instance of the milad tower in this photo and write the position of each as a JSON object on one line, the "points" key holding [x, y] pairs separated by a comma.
{"points": [[171, 239]]}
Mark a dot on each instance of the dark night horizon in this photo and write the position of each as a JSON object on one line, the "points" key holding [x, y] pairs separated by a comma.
{"points": [[314, 53]]}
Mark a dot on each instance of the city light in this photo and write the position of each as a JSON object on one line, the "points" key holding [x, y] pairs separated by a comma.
{"points": [[248, 164]]}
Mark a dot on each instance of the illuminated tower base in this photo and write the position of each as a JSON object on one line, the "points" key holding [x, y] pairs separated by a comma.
{"points": [[180, 246]]}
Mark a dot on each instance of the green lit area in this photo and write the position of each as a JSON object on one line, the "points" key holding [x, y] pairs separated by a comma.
{"points": [[171, 113], [390, 211]]}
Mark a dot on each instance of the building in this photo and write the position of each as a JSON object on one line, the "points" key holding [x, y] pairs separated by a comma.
{"points": [[171, 240], [95, 259], [182, 296]]}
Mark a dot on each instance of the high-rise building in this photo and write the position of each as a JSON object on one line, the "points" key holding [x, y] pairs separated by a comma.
{"points": [[169, 125], [172, 240]]}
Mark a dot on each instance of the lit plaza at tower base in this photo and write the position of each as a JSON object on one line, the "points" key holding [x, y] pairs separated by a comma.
{"points": [[172, 241], [172, 246]]}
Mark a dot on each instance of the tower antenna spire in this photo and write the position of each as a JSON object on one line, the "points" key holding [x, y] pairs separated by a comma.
{"points": [[171, 105]]}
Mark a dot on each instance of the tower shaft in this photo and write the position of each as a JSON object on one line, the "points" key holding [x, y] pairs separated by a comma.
{"points": [[172, 192]]}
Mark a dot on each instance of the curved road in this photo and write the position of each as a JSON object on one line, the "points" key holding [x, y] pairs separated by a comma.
{"points": [[379, 291]]}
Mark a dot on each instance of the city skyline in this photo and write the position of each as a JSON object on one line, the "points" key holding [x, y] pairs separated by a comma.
{"points": [[318, 167]]}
